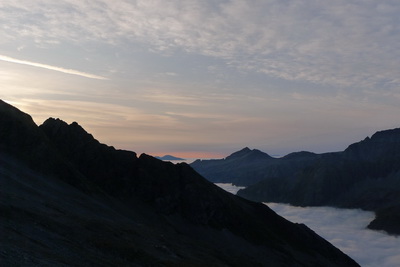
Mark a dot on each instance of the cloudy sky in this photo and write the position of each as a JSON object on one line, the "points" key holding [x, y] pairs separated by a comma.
{"points": [[206, 78]]}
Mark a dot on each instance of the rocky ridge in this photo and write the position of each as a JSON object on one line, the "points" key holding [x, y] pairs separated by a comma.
{"points": [[70, 200], [366, 175]]}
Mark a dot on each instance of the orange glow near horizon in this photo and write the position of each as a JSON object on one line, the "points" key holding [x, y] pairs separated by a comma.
{"points": [[191, 154]]}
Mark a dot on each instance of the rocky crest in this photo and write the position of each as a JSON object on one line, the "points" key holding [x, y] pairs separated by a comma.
{"points": [[70, 200], [366, 175]]}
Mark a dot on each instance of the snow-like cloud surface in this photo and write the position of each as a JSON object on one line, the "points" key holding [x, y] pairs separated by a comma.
{"points": [[341, 42], [230, 187], [346, 229]]}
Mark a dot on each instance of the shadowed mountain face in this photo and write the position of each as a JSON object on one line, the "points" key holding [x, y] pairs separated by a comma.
{"points": [[69, 200], [366, 175]]}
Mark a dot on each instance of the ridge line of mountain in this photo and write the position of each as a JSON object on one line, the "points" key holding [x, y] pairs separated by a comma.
{"points": [[70, 200], [365, 175]]}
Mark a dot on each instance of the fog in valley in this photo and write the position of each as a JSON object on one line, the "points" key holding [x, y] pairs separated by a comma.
{"points": [[345, 229], [230, 187]]}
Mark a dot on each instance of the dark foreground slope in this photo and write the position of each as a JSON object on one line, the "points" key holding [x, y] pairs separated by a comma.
{"points": [[366, 175], [67, 200]]}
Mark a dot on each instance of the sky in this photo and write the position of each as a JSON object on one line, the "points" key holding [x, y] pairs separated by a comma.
{"points": [[206, 78]]}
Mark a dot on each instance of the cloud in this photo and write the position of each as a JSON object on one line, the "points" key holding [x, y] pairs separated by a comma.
{"points": [[158, 96], [345, 229], [230, 187], [216, 70], [339, 43], [49, 67]]}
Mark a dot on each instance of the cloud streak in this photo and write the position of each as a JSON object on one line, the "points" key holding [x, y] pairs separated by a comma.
{"points": [[49, 67]]}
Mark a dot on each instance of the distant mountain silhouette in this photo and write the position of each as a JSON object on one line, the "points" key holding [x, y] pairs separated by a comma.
{"points": [[366, 175], [247, 167], [169, 157], [68, 200]]}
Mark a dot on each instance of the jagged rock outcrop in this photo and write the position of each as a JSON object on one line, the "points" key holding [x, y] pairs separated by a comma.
{"points": [[69, 200]]}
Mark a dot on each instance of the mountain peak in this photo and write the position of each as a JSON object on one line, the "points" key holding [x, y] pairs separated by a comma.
{"points": [[112, 194], [248, 153], [72, 138], [18, 130], [21, 138], [56, 125]]}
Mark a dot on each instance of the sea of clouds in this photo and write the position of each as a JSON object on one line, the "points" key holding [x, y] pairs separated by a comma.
{"points": [[345, 229], [230, 187]]}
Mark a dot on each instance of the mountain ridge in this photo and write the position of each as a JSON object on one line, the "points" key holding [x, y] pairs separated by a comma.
{"points": [[249, 166], [365, 175], [70, 200]]}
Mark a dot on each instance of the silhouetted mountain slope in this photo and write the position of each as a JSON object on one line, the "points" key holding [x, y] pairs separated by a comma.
{"points": [[67, 199], [247, 166], [383, 144], [20, 137], [366, 175]]}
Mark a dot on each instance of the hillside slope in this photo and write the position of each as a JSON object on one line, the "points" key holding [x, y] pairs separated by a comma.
{"points": [[69, 200]]}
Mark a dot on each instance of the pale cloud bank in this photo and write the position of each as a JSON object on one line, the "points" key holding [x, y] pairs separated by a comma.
{"points": [[346, 229], [229, 187], [49, 67], [345, 43]]}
